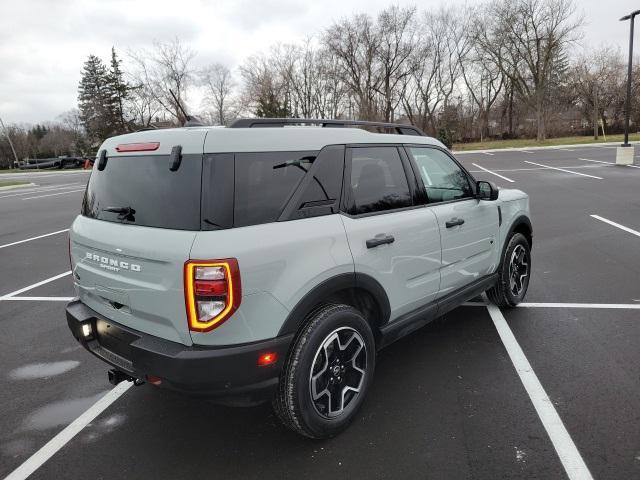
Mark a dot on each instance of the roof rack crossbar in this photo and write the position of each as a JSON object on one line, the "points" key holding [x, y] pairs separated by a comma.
{"points": [[399, 128]]}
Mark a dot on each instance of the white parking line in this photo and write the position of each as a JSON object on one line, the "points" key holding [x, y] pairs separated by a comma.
{"points": [[563, 170], [488, 153], [531, 169], [492, 173], [614, 306], [38, 299], [562, 442], [32, 190], [621, 306], [54, 194], [30, 287], [597, 161], [42, 174], [526, 151], [617, 225], [608, 163], [33, 238], [36, 460]]}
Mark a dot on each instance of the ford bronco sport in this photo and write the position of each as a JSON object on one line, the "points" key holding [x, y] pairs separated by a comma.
{"points": [[251, 263]]}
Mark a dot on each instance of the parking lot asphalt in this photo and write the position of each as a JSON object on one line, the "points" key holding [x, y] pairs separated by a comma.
{"points": [[447, 401]]}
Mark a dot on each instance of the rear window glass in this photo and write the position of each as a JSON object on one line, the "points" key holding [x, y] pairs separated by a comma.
{"points": [[264, 182], [141, 190]]}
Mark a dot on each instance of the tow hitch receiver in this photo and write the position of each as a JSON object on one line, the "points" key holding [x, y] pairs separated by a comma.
{"points": [[116, 376]]}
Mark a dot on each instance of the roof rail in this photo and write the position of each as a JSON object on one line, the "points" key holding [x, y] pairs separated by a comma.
{"points": [[399, 128]]}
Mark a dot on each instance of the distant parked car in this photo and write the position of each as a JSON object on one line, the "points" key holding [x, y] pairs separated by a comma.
{"points": [[51, 163]]}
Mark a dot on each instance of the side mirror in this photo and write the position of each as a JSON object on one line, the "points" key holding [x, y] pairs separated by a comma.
{"points": [[486, 190]]}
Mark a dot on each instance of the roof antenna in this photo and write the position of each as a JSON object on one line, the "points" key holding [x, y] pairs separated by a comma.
{"points": [[189, 120]]}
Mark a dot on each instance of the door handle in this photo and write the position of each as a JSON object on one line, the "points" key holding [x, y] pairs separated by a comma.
{"points": [[380, 239], [454, 222]]}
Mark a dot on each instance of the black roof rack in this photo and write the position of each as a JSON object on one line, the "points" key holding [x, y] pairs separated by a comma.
{"points": [[399, 128]]}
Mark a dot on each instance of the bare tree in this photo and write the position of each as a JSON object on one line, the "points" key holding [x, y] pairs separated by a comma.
{"points": [[142, 105], [420, 98], [528, 40], [435, 69], [166, 67], [264, 90], [597, 82], [71, 123], [355, 42], [483, 79], [310, 79], [219, 83], [397, 37]]}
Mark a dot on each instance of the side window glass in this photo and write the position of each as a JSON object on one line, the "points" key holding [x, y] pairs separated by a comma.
{"points": [[378, 180], [264, 182], [443, 179]]}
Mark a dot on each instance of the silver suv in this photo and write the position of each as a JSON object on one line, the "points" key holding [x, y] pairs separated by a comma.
{"points": [[250, 263]]}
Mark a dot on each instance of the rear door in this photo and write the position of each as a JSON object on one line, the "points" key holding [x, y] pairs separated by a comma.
{"points": [[128, 248], [392, 239], [468, 226]]}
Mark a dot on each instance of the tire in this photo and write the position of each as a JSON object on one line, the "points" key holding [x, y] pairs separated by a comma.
{"points": [[318, 398], [507, 293]]}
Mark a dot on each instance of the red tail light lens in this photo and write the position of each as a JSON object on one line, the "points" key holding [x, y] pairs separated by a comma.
{"points": [[212, 292]]}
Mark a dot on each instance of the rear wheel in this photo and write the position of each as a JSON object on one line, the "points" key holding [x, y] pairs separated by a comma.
{"points": [[328, 372], [513, 274]]}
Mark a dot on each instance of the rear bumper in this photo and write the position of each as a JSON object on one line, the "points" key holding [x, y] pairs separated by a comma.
{"points": [[224, 371]]}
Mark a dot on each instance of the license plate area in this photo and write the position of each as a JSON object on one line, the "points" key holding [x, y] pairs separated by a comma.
{"points": [[113, 344], [111, 357]]}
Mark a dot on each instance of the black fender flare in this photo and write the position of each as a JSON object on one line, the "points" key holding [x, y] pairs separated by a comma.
{"points": [[330, 286], [520, 220]]}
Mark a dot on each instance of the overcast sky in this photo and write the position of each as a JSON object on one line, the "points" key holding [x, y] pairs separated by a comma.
{"points": [[43, 43]]}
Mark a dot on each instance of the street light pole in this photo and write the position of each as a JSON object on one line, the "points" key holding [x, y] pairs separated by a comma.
{"points": [[627, 108], [6, 134]]}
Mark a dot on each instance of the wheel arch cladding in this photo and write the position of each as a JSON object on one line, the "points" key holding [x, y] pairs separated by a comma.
{"points": [[522, 225], [358, 290]]}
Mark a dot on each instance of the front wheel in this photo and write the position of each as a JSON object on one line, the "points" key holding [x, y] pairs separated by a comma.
{"points": [[514, 273], [328, 372]]}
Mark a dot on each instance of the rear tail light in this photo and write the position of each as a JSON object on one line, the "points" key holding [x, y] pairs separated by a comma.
{"points": [[212, 292]]}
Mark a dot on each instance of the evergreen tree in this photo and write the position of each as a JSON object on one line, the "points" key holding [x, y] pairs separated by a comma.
{"points": [[118, 91], [94, 100], [269, 106]]}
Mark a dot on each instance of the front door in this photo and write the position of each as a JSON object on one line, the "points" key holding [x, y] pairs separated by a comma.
{"points": [[468, 226]]}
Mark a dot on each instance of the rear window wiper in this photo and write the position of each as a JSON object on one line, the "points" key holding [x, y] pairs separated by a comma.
{"points": [[124, 213], [296, 163]]}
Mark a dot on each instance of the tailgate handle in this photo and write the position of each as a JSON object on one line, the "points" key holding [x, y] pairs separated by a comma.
{"points": [[380, 239]]}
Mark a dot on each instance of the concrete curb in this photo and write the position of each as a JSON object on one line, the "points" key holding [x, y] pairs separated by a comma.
{"points": [[12, 187], [545, 147]]}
